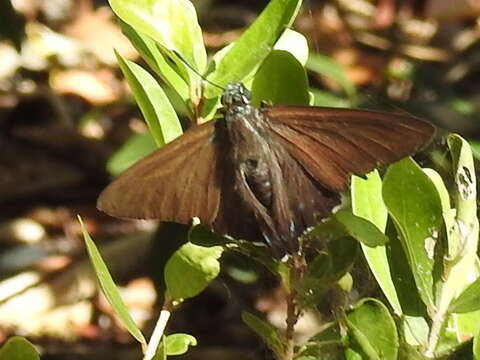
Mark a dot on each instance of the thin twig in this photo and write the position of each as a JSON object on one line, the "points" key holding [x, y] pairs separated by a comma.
{"points": [[158, 332]]}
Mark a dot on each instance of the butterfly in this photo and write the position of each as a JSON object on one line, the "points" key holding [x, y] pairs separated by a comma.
{"points": [[262, 174]]}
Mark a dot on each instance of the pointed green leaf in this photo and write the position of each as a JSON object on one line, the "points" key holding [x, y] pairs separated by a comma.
{"points": [[154, 104], [153, 56], [325, 66], [172, 23], [267, 332], [257, 41], [361, 229], [135, 148], [108, 286]]}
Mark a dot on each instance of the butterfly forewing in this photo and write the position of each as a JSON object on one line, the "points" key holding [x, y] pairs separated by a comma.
{"points": [[180, 181], [331, 144]]}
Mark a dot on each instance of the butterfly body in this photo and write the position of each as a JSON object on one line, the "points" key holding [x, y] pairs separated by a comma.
{"points": [[262, 174]]}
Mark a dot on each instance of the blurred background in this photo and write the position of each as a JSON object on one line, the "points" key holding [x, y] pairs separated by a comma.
{"points": [[68, 123]]}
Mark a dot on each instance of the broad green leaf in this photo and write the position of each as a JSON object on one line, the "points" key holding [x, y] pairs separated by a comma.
{"points": [[151, 53], [351, 354], [465, 325], [415, 206], [415, 330], [367, 203], [190, 269], [373, 331], [135, 148], [172, 23], [360, 229], [449, 214], [326, 270], [331, 266], [267, 333], [412, 306], [254, 45], [325, 66], [465, 197], [289, 89], [327, 99], [295, 43], [469, 299], [462, 249], [18, 348], [154, 104], [178, 344], [108, 286]]}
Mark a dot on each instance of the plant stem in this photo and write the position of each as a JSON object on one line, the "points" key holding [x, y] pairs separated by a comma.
{"points": [[297, 266], [158, 332]]}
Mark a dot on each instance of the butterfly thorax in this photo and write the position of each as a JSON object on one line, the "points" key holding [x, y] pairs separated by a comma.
{"points": [[251, 152]]}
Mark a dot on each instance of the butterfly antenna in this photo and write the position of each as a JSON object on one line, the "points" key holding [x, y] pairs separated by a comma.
{"points": [[196, 71]]}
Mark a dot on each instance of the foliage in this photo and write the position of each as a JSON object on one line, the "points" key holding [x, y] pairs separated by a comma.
{"points": [[419, 241]]}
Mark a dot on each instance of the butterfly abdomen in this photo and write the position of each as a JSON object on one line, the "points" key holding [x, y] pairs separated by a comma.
{"points": [[258, 179]]}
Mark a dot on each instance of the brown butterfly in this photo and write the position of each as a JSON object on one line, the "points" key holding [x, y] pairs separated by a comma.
{"points": [[262, 174]]}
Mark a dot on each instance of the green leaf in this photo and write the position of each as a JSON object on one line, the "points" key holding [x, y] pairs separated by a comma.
{"points": [[267, 333], [465, 197], [151, 53], [469, 299], [361, 229], [326, 270], [462, 249], [327, 99], [18, 348], [325, 66], [108, 286], [160, 353], [257, 41], [172, 23], [476, 346], [289, 89], [409, 352], [190, 269], [154, 104], [415, 206], [367, 203], [178, 344], [295, 43], [135, 148], [372, 330]]}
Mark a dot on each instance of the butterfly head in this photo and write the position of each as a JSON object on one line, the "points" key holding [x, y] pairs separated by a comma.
{"points": [[235, 95]]}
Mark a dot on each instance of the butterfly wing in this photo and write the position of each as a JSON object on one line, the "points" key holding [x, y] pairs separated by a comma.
{"points": [[331, 144], [175, 183]]}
